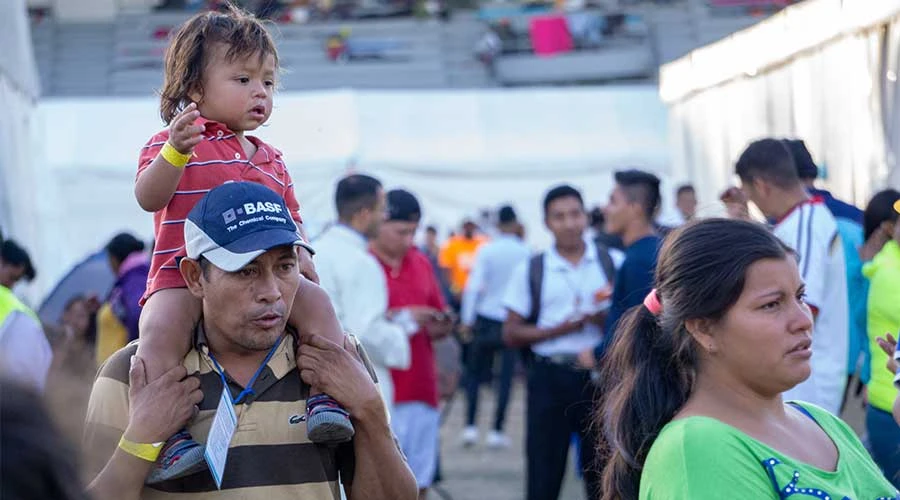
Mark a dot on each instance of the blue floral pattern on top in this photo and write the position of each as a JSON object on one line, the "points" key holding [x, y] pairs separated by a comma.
{"points": [[791, 488]]}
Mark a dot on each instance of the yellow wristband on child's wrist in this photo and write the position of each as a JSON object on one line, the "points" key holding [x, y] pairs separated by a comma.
{"points": [[148, 452], [171, 155]]}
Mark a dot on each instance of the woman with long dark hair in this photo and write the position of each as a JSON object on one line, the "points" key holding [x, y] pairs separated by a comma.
{"points": [[693, 406]]}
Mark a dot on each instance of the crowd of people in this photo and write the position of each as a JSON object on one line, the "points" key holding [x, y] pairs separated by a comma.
{"points": [[240, 359]]}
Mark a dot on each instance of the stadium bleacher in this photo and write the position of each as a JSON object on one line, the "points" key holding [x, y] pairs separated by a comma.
{"points": [[124, 57]]}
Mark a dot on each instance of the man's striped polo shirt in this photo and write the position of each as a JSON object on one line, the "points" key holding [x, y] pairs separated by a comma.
{"points": [[270, 455]]}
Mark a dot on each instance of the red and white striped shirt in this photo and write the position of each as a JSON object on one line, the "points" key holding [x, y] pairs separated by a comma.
{"points": [[219, 158]]}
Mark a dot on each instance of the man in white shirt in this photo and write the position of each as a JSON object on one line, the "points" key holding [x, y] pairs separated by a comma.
{"points": [[686, 203], [557, 318], [803, 222], [483, 314], [355, 282]]}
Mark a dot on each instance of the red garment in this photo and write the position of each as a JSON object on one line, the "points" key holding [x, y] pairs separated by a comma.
{"points": [[219, 158], [415, 285]]}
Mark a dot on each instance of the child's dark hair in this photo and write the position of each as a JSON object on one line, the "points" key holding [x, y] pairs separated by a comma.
{"points": [[650, 370], [188, 53]]}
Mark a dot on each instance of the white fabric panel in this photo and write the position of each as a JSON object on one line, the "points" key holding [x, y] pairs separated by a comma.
{"points": [[839, 98], [17, 56], [18, 91]]}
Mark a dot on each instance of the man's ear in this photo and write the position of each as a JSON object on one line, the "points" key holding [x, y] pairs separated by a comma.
{"points": [[193, 276], [761, 186]]}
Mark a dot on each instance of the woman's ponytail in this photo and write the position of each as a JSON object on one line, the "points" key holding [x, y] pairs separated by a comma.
{"points": [[647, 378]]}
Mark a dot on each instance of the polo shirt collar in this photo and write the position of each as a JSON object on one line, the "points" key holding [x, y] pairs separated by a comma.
{"points": [[217, 131], [404, 262], [214, 130], [556, 261], [281, 363], [812, 200]]}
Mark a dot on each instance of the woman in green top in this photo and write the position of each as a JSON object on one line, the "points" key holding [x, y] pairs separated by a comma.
{"points": [[693, 406]]}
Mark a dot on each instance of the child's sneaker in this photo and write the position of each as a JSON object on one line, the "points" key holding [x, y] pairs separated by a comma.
{"points": [[326, 421], [181, 456]]}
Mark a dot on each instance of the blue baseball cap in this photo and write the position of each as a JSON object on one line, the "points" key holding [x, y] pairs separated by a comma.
{"points": [[236, 223]]}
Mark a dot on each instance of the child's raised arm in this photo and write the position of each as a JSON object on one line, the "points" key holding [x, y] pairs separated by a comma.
{"points": [[156, 185]]}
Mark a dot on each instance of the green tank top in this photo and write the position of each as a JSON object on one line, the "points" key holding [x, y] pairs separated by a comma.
{"points": [[700, 458]]}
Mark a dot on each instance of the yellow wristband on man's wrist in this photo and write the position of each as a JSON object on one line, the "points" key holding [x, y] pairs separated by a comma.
{"points": [[171, 155], [149, 452]]}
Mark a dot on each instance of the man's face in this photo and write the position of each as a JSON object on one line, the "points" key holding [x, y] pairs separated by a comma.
{"points": [[566, 219], [430, 238], [469, 229], [10, 274], [395, 238], [620, 211], [249, 308], [687, 204], [376, 214]]}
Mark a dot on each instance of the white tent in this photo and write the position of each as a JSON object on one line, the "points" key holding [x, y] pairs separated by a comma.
{"points": [[18, 94], [458, 150], [822, 70]]}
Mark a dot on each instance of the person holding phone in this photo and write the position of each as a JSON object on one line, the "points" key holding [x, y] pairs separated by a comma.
{"points": [[414, 295], [553, 314]]}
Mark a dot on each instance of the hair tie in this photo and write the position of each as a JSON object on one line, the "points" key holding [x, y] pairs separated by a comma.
{"points": [[651, 302]]}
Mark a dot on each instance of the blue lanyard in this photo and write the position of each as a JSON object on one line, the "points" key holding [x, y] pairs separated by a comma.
{"points": [[249, 389]]}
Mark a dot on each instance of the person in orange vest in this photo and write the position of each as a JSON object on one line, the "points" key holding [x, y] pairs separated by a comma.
{"points": [[457, 257]]}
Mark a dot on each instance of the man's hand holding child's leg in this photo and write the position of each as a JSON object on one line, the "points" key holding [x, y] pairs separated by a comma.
{"points": [[167, 325], [312, 314]]}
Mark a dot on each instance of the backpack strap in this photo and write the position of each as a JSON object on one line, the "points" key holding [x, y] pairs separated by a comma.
{"points": [[606, 262], [535, 280], [536, 277]]}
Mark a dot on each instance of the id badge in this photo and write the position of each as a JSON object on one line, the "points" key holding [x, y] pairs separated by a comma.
{"points": [[223, 426]]}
